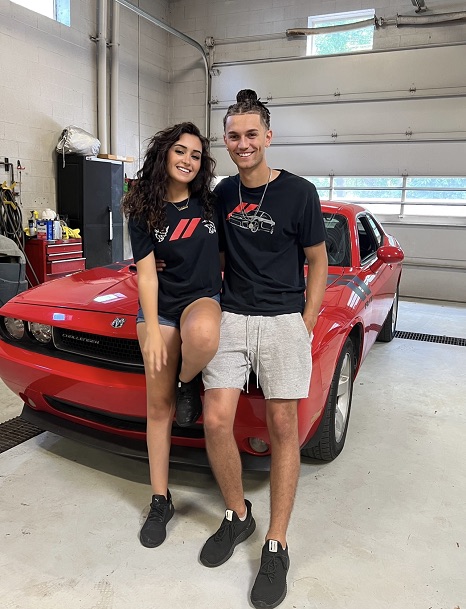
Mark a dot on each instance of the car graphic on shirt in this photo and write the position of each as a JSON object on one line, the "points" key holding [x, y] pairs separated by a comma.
{"points": [[253, 221]]}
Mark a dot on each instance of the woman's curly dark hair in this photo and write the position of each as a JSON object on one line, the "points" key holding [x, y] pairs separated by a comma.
{"points": [[146, 197]]}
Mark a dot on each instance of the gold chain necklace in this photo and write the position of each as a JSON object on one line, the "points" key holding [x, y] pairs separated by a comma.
{"points": [[185, 206], [252, 218]]}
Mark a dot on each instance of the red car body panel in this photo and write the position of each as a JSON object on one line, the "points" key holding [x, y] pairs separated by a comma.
{"points": [[89, 394]]}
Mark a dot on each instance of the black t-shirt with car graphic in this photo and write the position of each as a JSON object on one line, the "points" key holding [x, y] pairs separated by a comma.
{"points": [[264, 255], [189, 247]]}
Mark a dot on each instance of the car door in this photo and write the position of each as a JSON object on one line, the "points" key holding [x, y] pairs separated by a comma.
{"points": [[380, 276]]}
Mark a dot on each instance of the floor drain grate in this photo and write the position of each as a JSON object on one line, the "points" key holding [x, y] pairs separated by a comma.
{"points": [[16, 431], [432, 338]]}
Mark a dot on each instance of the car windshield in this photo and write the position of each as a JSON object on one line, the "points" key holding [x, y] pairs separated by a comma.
{"points": [[337, 240]]}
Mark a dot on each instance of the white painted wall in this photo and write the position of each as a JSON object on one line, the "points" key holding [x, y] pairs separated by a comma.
{"points": [[48, 81]]}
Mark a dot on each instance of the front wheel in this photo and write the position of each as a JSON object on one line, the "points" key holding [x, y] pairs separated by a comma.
{"points": [[337, 409]]}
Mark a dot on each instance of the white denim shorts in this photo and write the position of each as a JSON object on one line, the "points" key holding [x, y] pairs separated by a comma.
{"points": [[277, 349]]}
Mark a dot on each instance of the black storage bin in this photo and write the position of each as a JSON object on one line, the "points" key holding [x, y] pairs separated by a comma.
{"points": [[12, 278]]}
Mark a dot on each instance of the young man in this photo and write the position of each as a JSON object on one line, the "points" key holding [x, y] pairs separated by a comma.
{"points": [[271, 222]]}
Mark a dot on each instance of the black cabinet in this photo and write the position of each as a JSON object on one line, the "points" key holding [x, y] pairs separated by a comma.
{"points": [[89, 193]]}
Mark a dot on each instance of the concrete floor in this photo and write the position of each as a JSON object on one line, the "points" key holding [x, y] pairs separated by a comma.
{"points": [[381, 527]]}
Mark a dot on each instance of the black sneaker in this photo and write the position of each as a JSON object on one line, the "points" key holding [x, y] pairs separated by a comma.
{"points": [[220, 546], [154, 530], [270, 586], [188, 402]]}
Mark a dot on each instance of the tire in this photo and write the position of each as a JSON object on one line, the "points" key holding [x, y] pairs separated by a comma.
{"points": [[334, 424], [387, 332]]}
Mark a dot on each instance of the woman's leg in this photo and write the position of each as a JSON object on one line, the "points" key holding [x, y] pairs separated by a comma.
{"points": [[160, 408], [200, 334]]}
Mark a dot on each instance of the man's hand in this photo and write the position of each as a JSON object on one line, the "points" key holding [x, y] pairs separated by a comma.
{"points": [[316, 281], [159, 265], [310, 321]]}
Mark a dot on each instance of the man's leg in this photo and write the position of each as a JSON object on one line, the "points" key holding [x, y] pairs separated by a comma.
{"points": [[270, 587], [282, 423], [238, 523], [285, 371], [219, 415]]}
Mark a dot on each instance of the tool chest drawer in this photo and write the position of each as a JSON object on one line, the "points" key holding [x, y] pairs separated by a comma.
{"points": [[63, 267], [62, 251]]}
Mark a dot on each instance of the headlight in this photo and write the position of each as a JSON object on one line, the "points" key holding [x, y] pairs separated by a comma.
{"points": [[14, 327], [41, 332]]}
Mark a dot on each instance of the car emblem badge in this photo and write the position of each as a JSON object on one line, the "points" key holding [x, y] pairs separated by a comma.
{"points": [[118, 322]]}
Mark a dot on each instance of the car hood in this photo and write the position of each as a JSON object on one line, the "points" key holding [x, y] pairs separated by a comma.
{"points": [[104, 289]]}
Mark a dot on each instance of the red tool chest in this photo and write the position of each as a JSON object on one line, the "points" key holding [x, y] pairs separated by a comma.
{"points": [[48, 260]]}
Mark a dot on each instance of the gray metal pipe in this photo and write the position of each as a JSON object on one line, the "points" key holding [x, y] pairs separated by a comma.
{"points": [[102, 77], [114, 79], [311, 31], [399, 20], [186, 39], [428, 19]]}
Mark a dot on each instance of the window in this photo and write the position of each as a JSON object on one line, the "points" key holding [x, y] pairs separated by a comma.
{"points": [[397, 195], [54, 9], [367, 244], [375, 229], [346, 41], [337, 240]]}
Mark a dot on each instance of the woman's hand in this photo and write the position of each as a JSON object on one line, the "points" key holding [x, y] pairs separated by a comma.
{"points": [[154, 351]]}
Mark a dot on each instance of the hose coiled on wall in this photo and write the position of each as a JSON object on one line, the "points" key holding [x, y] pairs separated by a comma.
{"points": [[11, 218]]}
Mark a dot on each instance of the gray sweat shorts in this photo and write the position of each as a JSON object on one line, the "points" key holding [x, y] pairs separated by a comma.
{"points": [[277, 349]]}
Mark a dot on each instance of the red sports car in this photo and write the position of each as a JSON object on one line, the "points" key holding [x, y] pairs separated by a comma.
{"points": [[68, 348]]}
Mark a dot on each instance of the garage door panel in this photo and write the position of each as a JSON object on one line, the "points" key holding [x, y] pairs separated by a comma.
{"points": [[407, 71], [438, 118], [412, 158]]}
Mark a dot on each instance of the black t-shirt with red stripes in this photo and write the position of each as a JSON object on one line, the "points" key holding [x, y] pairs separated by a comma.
{"points": [[189, 247], [264, 247]]}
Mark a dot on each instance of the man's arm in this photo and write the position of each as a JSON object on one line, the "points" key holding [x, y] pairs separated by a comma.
{"points": [[316, 282]]}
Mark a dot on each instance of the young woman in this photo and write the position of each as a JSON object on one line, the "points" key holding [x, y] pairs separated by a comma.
{"points": [[171, 217]]}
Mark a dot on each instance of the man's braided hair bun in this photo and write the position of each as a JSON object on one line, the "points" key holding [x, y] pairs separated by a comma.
{"points": [[246, 95], [247, 102]]}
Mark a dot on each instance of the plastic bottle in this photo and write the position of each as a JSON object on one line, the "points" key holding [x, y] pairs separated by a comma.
{"points": [[32, 225], [57, 228]]}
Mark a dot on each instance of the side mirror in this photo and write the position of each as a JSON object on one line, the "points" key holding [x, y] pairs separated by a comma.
{"points": [[390, 254]]}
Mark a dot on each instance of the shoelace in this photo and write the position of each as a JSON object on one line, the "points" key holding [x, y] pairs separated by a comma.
{"points": [[269, 567], [157, 512], [229, 526]]}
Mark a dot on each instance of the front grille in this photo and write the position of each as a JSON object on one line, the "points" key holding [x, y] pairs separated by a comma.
{"points": [[117, 421], [106, 348]]}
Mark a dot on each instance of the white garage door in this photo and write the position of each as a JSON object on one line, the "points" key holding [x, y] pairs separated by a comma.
{"points": [[380, 113]]}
